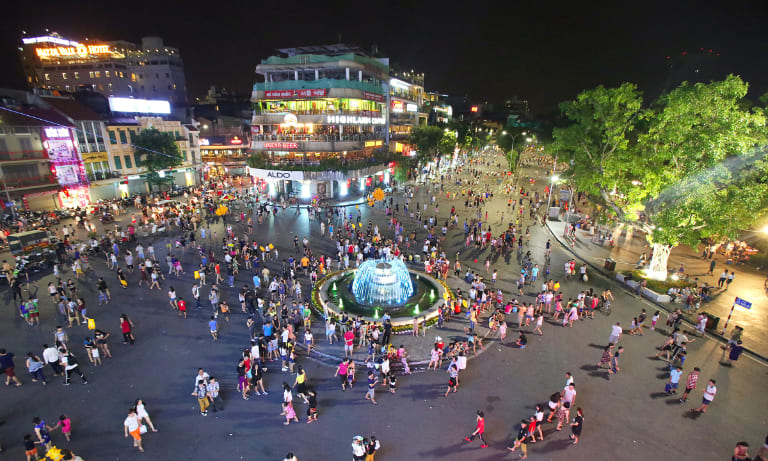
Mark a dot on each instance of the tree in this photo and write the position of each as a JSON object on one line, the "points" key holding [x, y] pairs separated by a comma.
{"points": [[156, 151], [432, 140], [683, 169], [426, 139]]}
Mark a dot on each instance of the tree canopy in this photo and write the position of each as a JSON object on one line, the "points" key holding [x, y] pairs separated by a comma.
{"points": [[156, 150], [432, 140], [686, 167]]}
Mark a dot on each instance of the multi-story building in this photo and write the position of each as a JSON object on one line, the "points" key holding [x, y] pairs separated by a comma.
{"points": [[40, 163], [151, 70], [124, 161], [320, 119], [92, 142], [438, 110], [223, 148], [406, 93]]}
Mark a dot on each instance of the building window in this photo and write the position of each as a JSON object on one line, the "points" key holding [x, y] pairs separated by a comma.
{"points": [[133, 77], [118, 163], [77, 75], [106, 73], [112, 138], [128, 162], [25, 144], [110, 86], [48, 77], [123, 139], [137, 160], [98, 74], [90, 74], [64, 75]]}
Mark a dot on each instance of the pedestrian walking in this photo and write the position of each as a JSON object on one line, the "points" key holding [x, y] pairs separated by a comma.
{"points": [[126, 327], [577, 425], [201, 393], [674, 380], [35, 367], [213, 327], [71, 366], [65, 423], [520, 439], [214, 394], [479, 430], [132, 426], [709, 396], [143, 415], [371, 394]]}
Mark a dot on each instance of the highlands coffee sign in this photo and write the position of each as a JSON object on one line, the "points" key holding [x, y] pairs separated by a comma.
{"points": [[275, 175]]}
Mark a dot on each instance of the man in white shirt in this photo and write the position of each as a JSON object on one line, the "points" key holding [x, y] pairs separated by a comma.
{"points": [[201, 377], [709, 396], [51, 357], [615, 333], [569, 394]]}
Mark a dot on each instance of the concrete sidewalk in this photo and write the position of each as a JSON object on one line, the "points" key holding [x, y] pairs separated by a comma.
{"points": [[748, 283]]}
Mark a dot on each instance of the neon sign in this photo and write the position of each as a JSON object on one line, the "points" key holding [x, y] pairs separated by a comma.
{"points": [[354, 120], [56, 133], [69, 51], [235, 140], [281, 145]]}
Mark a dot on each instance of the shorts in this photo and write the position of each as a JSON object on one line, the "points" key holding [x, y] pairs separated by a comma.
{"points": [[10, 372], [705, 401], [136, 434], [688, 390], [31, 452], [348, 348], [371, 393], [452, 382], [343, 379]]}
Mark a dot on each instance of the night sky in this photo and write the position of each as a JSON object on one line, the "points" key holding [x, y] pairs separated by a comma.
{"points": [[545, 52]]}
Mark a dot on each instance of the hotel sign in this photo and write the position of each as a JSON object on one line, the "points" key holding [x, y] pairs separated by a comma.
{"points": [[281, 94], [354, 120], [71, 51]]}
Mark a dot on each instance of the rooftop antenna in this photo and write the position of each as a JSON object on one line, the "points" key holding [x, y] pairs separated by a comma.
{"points": [[339, 38]]}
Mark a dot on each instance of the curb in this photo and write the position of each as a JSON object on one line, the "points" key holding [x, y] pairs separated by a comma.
{"points": [[601, 271]]}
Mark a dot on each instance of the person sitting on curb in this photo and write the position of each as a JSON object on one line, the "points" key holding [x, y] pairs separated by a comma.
{"points": [[522, 341]]}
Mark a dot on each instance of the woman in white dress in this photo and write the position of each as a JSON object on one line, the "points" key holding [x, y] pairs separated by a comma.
{"points": [[141, 412]]}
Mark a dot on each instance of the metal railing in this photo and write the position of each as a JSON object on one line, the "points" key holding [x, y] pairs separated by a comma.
{"points": [[23, 155]]}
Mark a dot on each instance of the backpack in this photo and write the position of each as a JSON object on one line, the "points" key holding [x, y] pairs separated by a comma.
{"points": [[71, 359]]}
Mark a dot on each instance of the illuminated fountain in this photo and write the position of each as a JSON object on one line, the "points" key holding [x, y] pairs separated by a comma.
{"points": [[379, 282], [381, 286]]}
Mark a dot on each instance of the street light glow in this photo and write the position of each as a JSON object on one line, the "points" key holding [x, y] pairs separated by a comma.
{"points": [[555, 178]]}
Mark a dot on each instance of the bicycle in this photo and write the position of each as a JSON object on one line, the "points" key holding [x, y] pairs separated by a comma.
{"points": [[605, 308]]}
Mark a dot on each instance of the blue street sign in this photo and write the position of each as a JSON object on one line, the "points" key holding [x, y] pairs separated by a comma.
{"points": [[743, 303]]}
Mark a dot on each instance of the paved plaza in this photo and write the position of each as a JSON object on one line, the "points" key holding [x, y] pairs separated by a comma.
{"points": [[626, 416]]}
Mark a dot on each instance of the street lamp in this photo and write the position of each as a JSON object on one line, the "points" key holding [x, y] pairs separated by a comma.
{"points": [[552, 182]]}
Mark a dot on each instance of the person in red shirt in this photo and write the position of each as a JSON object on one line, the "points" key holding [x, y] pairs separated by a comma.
{"points": [[349, 342], [690, 384], [479, 430], [182, 307]]}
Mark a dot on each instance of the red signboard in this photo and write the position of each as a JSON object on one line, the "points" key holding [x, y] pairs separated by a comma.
{"points": [[235, 140], [281, 145], [373, 96], [280, 94]]}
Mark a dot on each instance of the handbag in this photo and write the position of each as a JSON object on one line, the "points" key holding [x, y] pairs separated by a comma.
{"points": [[143, 429]]}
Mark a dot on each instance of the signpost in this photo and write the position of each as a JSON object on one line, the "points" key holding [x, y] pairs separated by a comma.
{"points": [[737, 302]]}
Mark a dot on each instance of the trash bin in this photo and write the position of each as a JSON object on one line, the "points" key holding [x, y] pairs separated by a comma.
{"points": [[712, 321], [610, 264]]}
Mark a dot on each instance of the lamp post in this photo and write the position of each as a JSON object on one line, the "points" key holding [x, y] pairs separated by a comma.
{"points": [[552, 181]]}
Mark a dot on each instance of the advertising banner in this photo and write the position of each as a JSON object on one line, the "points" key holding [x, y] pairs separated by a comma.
{"points": [[276, 174]]}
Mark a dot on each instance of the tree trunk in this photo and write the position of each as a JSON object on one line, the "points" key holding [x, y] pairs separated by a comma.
{"points": [[657, 270]]}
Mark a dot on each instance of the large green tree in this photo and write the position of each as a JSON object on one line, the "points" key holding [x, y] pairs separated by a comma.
{"points": [[156, 151], [432, 140], [685, 168]]}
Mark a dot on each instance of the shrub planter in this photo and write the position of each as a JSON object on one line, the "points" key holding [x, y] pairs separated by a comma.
{"points": [[656, 297]]}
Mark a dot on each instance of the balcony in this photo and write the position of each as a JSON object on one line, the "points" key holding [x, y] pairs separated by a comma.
{"points": [[323, 83], [102, 175], [27, 183], [23, 155]]}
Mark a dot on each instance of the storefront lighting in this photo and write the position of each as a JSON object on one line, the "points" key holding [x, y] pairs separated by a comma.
{"points": [[306, 189], [343, 188]]}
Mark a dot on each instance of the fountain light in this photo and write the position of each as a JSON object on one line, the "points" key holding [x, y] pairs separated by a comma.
{"points": [[341, 303], [416, 310]]}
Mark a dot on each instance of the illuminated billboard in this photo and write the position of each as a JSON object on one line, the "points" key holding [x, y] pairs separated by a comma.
{"points": [[139, 106]]}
